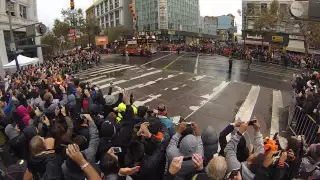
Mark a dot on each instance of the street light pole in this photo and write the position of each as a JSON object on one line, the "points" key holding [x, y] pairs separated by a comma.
{"points": [[12, 44]]}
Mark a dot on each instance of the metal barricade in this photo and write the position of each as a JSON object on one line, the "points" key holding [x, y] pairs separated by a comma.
{"points": [[302, 124]]}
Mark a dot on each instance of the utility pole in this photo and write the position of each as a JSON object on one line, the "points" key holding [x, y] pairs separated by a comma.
{"points": [[13, 47]]}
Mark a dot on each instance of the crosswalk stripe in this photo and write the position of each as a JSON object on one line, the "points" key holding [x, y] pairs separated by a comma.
{"points": [[108, 69], [123, 80], [103, 81], [98, 68], [103, 75], [216, 91], [277, 103]]}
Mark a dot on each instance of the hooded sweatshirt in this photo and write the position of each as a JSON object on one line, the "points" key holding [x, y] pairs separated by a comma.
{"points": [[231, 156], [23, 114], [210, 143], [189, 145]]}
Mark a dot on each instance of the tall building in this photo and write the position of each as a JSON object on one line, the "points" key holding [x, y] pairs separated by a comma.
{"points": [[171, 19], [25, 13], [112, 13], [251, 10]]}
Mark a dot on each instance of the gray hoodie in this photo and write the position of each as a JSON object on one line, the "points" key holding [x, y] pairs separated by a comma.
{"points": [[11, 132], [210, 143], [89, 153], [54, 104], [231, 154], [189, 145]]}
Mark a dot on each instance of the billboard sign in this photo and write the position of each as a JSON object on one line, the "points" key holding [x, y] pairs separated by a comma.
{"points": [[296, 9], [163, 16], [101, 40]]}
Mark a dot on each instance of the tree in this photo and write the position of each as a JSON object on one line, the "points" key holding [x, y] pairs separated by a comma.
{"points": [[73, 17], [50, 39], [116, 33], [90, 29], [310, 33], [269, 20], [61, 32]]}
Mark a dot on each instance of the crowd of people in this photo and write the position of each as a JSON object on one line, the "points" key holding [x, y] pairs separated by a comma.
{"points": [[56, 127]]}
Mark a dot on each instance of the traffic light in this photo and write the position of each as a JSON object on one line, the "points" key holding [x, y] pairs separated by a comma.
{"points": [[72, 4], [41, 29], [132, 12]]}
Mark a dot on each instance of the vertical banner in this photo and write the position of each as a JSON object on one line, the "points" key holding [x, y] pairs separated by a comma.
{"points": [[163, 16]]}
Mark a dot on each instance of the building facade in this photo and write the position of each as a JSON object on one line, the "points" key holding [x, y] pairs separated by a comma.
{"points": [[25, 13], [251, 10], [112, 13], [171, 19]]}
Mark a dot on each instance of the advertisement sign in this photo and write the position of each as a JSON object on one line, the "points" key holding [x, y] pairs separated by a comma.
{"points": [[278, 39], [163, 17], [132, 42], [296, 9], [101, 40]]}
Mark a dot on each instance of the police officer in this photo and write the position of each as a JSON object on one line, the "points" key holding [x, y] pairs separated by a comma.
{"points": [[230, 63]]}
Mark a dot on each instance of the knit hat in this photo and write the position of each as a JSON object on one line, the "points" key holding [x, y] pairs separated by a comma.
{"points": [[30, 131], [107, 130], [16, 171], [11, 132], [162, 110], [110, 100]]}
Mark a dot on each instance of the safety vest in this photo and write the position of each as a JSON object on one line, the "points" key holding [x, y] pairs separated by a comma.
{"points": [[122, 109]]}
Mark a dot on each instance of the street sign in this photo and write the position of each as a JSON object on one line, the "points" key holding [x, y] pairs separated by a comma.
{"points": [[296, 9], [13, 47], [31, 30]]}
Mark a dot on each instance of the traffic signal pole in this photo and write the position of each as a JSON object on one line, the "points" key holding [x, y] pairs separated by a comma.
{"points": [[12, 44]]}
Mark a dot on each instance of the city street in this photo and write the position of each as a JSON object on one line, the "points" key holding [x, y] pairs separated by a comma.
{"points": [[200, 88]]}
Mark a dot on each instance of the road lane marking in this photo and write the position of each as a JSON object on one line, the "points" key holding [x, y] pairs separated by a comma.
{"points": [[98, 69], [157, 59], [108, 70], [246, 109], [196, 66], [277, 103], [102, 76], [103, 81], [173, 62], [216, 91], [124, 80], [151, 98]]}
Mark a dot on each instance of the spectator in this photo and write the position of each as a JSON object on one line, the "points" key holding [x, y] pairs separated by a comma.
{"points": [[162, 114], [189, 145], [254, 162], [210, 144], [17, 141]]}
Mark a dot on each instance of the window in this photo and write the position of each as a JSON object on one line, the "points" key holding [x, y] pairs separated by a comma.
{"points": [[23, 11], [116, 3], [102, 9], [111, 6], [284, 9], [107, 18], [250, 8], [98, 10], [12, 8], [111, 17], [264, 7], [117, 14], [106, 6], [117, 22], [102, 21]]}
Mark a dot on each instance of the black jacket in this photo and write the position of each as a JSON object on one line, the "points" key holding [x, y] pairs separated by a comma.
{"points": [[46, 166], [19, 146], [122, 137]]}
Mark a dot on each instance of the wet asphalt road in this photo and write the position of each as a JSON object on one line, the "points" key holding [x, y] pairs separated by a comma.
{"points": [[200, 87]]}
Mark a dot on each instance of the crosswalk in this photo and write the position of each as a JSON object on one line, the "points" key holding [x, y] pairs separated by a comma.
{"points": [[207, 100]]}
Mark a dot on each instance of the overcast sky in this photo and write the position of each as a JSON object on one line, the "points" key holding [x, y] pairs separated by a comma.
{"points": [[48, 10]]}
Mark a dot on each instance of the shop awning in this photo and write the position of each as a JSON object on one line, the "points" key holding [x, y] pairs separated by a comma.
{"points": [[296, 46]]}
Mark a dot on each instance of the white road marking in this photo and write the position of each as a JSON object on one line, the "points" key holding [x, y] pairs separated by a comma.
{"points": [[197, 78], [123, 80], [175, 88], [104, 73], [142, 103], [246, 109], [217, 90], [103, 81], [277, 103], [98, 69], [158, 59], [196, 66]]}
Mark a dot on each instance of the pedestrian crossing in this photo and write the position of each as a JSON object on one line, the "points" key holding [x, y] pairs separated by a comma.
{"points": [[209, 101], [221, 63]]}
